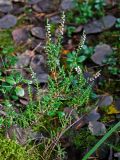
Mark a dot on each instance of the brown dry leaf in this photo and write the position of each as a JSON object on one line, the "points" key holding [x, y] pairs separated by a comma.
{"points": [[65, 52], [24, 101], [54, 75]]}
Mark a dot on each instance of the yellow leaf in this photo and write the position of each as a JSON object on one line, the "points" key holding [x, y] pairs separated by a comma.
{"points": [[112, 110]]}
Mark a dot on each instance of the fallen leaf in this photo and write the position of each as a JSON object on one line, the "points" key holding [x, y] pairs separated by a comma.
{"points": [[8, 21], [112, 110], [105, 100], [97, 128], [101, 52], [92, 116]]}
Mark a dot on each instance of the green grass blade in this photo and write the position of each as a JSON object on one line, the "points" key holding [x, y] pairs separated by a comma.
{"points": [[101, 141]]}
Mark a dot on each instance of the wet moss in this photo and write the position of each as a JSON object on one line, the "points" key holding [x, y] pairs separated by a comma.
{"points": [[6, 38]]}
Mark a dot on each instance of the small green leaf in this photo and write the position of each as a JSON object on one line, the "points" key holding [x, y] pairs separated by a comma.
{"points": [[61, 114], [81, 59], [10, 80], [1, 120], [19, 91], [51, 113]]}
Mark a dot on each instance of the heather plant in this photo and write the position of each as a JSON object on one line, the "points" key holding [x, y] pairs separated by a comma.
{"points": [[67, 87], [63, 84]]}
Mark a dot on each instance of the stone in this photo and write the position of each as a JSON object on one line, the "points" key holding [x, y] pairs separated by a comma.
{"points": [[5, 6], [8, 21], [108, 21], [47, 6], [24, 59], [101, 52], [105, 100], [100, 25], [55, 19], [67, 4], [20, 35], [93, 27], [38, 32], [42, 77], [92, 116], [39, 67], [97, 128], [38, 63]]}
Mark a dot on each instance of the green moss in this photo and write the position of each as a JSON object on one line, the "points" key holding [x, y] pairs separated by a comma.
{"points": [[83, 139], [10, 150], [6, 38]]}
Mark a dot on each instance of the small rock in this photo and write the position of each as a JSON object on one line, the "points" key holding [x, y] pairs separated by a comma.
{"points": [[38, 32], [5, 6], [24, 59], [105, 100], [55, 19], [47, 5], [101, 51], [93, 27], [98, 26], [97, 128], [8, 21], [67, 4], [92, 116], [42, 77], [38, 64], [20, 35], [108, 21]]}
